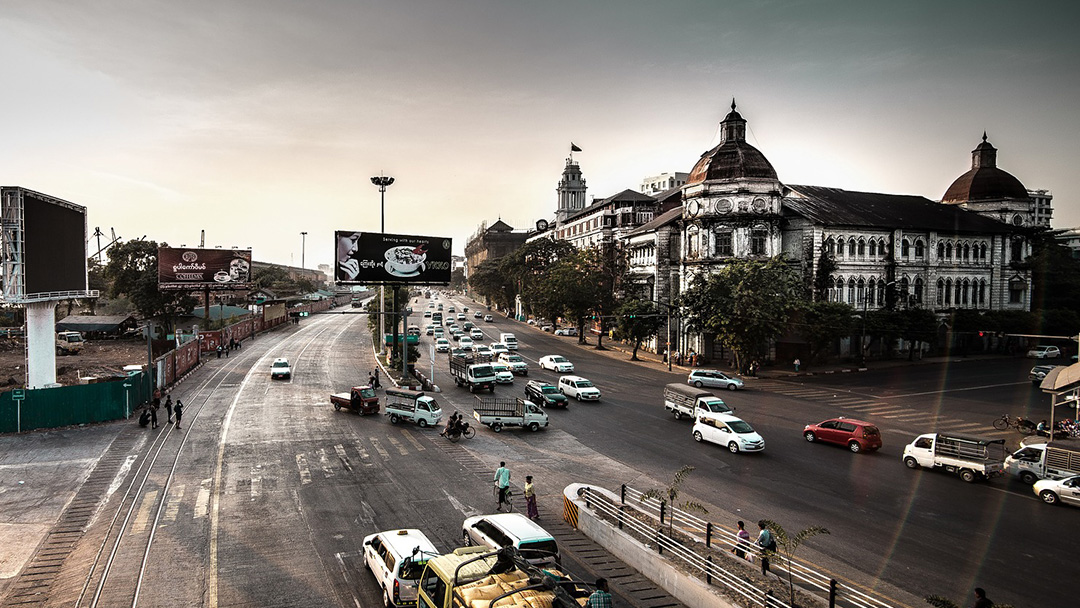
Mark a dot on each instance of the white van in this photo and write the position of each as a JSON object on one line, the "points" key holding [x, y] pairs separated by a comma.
{"points": [[397, 558], [509, 339], [505, 529]]}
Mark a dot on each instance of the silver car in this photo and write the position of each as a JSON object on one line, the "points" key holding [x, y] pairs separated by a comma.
{"points": [[713, 378]]}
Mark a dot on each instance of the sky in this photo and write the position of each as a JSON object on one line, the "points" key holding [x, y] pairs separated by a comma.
{"points": [[256, 120]]}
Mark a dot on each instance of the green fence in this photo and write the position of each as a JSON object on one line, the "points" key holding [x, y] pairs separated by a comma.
{"points": [[49, 408]]}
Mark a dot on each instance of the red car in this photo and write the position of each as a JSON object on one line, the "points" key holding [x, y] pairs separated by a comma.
{"points": [[855, 434]]}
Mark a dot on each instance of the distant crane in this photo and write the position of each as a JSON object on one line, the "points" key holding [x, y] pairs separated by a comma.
{"points": [[98, 233]]}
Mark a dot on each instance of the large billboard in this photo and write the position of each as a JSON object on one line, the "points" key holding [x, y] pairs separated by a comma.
{"points": [[194, 269], [377, 258], [44, 246]]}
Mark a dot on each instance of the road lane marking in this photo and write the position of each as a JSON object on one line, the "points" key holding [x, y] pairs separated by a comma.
{"points": [[957, 390], [412, 439], [378, 448], [143, 514], [305, 473], [324, 462], [397, 444], [343, 457], [364, 457], [454, 502], [173, 507], [202, 499]]}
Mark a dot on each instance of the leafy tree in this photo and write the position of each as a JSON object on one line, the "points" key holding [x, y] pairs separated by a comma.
{"points": [[789, 544], [636, 321], [270, 276], [826, 266], [457, 279], [823, 323], [918, 325], [612, 263], [490, 281], [670, 494], [527, 266], [745, 304], [886, 325], [133, 270], [570, 288]]}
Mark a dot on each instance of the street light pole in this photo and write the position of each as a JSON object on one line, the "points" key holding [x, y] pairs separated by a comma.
{"points": [[382, 181], [303, 247]]}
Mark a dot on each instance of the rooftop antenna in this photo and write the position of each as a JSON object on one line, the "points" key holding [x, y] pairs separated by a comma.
{"points": [[202, 238]]}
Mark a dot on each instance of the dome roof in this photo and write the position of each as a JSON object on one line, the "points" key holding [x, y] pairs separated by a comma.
{"points": [[733, 158], [985, 181]]}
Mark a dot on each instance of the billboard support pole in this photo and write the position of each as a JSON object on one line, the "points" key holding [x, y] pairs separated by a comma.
{"points": [[382, 181]]}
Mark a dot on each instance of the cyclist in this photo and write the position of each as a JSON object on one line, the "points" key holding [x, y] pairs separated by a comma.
{"points": [[502, 485]]}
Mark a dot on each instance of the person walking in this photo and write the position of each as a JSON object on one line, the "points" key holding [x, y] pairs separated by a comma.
{"points": [[168, 406], [767, 543], [502, 485], [179, 410], [153, 413], [530, 499], [797, 364], [219, 349], [375, 379], [981, 601], [600, 597], [743, 540]]}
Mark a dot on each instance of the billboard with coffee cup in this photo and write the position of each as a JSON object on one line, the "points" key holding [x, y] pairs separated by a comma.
{"points": [[377, 258], [195, 268]]}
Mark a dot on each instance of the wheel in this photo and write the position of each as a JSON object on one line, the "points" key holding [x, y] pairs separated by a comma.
{"points": [[337, 407], [386, 600], [809, 436], [497, 427], [697, 384], [453, 437], [394, 418], [492, 388], [854, 447], [697, 434], [421, 423], [59, 350], [733, 447], [1049, 497], [911, 463], [731, 387], [466, 539], [677, 415], [534, 426], [469, 432], [967, 475], [1028, 477], [1001, 424]]}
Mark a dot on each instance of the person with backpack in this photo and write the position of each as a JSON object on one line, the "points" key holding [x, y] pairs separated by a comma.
{"points": [[766, 541], [179, 411]]}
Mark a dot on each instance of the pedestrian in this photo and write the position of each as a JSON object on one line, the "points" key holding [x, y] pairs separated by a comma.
{"points": [[743, 539], [502, 485], [797, 364], [530, 499], [981, 601], [219, 349], [600, 597], [371, 379], [153, 416], [693, 358], [179, 411], [375, 382], [238, 344], [168, 406], [754, 367], [767, 543], [226, 353]]}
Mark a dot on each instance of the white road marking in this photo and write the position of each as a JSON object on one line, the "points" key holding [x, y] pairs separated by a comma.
{"points": [[256, 487], [173, 506], [143, 514], [366, 514], [305, 473], [466, 511], [324, 462], [957, 390], [202, 500], [412, 439], [364, 457], [342, 456], [397, 444], [378, 448]]}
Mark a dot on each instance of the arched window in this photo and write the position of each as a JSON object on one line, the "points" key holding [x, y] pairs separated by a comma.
{"points": [[948, 251], [830, 246], [948, 292], [860, 294], [956, 293], [905, 249], [982, 293], [1016, 250], [964, 292], [881, 248], [967, 252], [840, 246], [873, 248], [982, 252], [851, 247], [758, 238], [851, 292], [839, 290], [940, 292], [941, 250], [881, 292], [862, 247], [920, 249], [873, 289], [905, 290], [918, 295]]}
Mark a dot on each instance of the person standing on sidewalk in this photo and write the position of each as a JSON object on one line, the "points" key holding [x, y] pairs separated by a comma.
{"points": [[797, 364], [530, 499], [767, 544], [601, 597], [179, 412], [168, 406], [743, 540], [502, 484]]}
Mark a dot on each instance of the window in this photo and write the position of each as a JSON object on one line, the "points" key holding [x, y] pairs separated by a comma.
{"points": [[904, 290], [948, 251], [1016, 250], [830, 246], [873, 287], [861, 291], [941, 250], [982, 252], [873, 248], [920, 249], [851, 292], [881, 249], [964, 292], [757, 241], [918, 294], [723, 243], [862, 248], [967, 252], [839, 290], [940, 292], [1016, 294], [851, 247], [881, 292], [956, 293], [905, 248], [948, 292]]}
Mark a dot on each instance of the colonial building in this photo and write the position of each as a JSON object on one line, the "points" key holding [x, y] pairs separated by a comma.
{"points": [[491, 243]]}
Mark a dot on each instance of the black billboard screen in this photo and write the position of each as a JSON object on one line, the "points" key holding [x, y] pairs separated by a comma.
{"points": [[54, 245], [377, 258]]}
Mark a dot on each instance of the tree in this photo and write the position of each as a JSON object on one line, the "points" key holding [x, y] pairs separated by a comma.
{"points": [[823, 280], [670, 494], [918, 325], [745, 304], [570, 288], [789, 544], [133, 270], [612, 262], [490, 281], [636, 321], [527, 266], [824, 323], [457, 279], [1055, 275]]}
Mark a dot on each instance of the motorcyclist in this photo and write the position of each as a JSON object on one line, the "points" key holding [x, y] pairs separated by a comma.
{"points": [[451, 425]]}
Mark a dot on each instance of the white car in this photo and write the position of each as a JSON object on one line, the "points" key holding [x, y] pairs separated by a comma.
{"points": [[1059, 491], [488, 318], [711, 377], [579, 388], [566, 331], [465, 342], [1045, 352], [396, 558], [503, 375], [476, 334], [481, 350], [497, 348], [557, 363], [280, 368], [430, 329], [727, 430], [442, 345]]}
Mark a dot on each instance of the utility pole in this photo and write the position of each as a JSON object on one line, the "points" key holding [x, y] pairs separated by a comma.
{"points": [[303, 246], [382, 181]]}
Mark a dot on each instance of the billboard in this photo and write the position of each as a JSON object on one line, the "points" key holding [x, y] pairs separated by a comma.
{"points": [[193, 268], [377, 258], [44, 246]]}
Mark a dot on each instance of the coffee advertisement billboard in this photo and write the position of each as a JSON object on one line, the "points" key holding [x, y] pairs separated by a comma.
{"points": [[194, 268], [378, 258]]}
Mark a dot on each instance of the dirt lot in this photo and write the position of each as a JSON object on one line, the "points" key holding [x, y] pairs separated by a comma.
{"points": [[98, 358]]}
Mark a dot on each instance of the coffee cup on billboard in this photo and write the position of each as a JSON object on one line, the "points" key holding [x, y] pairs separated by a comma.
{"points": [[222, 277], [404, 260]]}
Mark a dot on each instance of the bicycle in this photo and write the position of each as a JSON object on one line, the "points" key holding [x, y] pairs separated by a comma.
{"points": [[508, 501], [1022, 425]]}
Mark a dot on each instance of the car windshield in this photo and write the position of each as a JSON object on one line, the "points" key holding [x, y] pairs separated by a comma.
{"points": [[367, 393], [584, 384], [483, 370], [549, 390], [281, 364], [558, 359], [500, 368], [514, 358], [716, 406], [740, 427]]}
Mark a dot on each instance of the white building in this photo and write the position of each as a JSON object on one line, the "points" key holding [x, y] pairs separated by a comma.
{"points": [[663, 182]]}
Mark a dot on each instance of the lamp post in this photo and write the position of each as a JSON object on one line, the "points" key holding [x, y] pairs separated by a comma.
{"points": [[382, 181], [303, 247]]}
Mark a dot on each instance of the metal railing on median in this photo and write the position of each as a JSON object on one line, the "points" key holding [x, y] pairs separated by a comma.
{"points": [[806, 576]]}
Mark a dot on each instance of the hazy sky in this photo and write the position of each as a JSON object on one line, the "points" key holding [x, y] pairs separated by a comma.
{"points": [[256, 120]]}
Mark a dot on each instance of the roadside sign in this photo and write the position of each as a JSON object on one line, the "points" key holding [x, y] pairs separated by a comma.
{"points": [[18, 394]]}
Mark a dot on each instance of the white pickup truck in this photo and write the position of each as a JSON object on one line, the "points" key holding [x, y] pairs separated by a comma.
{"points": [[499, 413], [683, 400], [413, 406], [968, 456], [1037, 459]]}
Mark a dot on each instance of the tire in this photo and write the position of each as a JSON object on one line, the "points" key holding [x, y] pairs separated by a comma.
{"points": [[854, 447], [337, 407], [733, 447], [469, 433], [1001, 424], [59, 350], [421, 423], [911, 463], [386, 600], [497, 427], [454, 437], [1049, 497], [697, 383], [968, 475], [677, 415], [466, 539], [1028, 477], [697, 435], [809, 435], [493, 389], [732, 387], [534, 426], [394, 419]]}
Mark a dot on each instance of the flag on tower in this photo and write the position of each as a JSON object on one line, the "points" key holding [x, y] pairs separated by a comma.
{"points": [[574, 147]]}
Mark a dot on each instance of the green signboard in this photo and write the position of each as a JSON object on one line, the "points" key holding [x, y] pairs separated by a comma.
{"points": [[410, 339]]}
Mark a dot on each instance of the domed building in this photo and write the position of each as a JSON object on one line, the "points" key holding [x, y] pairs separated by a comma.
{"points": [[991, 191]]}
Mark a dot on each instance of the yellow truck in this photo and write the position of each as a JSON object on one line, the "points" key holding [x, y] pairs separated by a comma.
{"points": [[476, 577]]}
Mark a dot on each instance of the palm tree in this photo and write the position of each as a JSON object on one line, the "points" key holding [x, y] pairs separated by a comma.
{"points": [[789, 544], [670, 494]]}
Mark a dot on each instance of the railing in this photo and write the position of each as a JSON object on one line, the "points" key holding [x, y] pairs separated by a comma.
{"points": [[806, 576]]}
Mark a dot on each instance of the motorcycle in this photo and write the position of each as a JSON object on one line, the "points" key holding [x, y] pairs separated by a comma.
{"points": [[462, 429]]}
